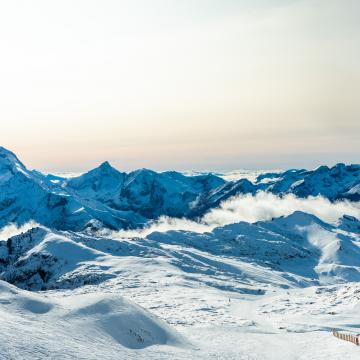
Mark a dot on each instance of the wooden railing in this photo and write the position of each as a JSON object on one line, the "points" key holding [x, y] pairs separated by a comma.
{"points": [[355, 339]]}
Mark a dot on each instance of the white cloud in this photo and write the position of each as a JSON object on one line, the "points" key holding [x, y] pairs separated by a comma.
{"points": [[164, 223], [262, 206], [249, 208], [12, 229]]}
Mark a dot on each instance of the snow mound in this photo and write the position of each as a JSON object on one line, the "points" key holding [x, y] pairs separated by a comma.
{"points": [[98, 324], [128, 324]]}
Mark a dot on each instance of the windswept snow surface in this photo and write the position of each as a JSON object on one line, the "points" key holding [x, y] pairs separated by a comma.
{"points": [[265, 290], [79, 326]]}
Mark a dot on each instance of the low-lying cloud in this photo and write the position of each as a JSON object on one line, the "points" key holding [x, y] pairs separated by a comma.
{"points": [[13, 229], [265, 206], [251, 208], [164, 223]]}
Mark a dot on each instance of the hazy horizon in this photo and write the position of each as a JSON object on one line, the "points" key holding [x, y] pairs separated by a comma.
{"points": [[226, 173], [199, 85]]}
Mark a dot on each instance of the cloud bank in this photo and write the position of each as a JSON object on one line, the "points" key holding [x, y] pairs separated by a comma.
{"points": [[265, 206], [249, 208]]}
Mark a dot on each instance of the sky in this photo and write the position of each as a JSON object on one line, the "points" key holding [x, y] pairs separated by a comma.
{"points": [[180, 84]]}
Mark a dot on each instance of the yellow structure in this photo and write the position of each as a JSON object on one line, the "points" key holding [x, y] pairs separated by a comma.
{"points": [[355, 339]]}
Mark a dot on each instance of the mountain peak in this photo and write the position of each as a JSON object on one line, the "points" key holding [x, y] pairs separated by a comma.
{"points": [[10, 162], [298, 218], [5, 153], [101, 174], [105, 169], [105, 166]]}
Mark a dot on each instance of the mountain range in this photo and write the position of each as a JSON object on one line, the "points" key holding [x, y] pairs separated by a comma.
{"points": [[106, 197]]}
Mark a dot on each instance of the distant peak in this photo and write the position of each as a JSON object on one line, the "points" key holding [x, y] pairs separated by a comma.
{"points": [[9, 159], [299, 218], [322, 169], [6, 152], [105, 168], [146, 173], [342, 165], [105, 165]]}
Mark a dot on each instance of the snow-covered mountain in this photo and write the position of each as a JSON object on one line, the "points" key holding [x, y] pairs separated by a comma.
{"points": [[300, 249], [105, 197], [145, 192], [154, 194], [27, 195], [339, 182], [282, 284]]}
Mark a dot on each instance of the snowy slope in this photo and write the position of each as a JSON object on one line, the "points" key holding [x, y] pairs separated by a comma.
{"points": [[85, 326], [298, 250], [242, 291], [299, 244], [100, 183], [26, 196], [339, 182], [146, 192]]}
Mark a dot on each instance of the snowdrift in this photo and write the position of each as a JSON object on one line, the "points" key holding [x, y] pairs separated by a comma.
{"points": [[86, 325]]}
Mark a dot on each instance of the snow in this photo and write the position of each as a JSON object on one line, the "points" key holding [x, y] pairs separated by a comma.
{"points": [[202, 323], [82, 326], [249, 277], [117, 200], [233, 175], [239, 292]]}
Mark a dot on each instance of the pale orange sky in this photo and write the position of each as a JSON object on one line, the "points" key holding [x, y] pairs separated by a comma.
{"points": [[180, 84]]}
